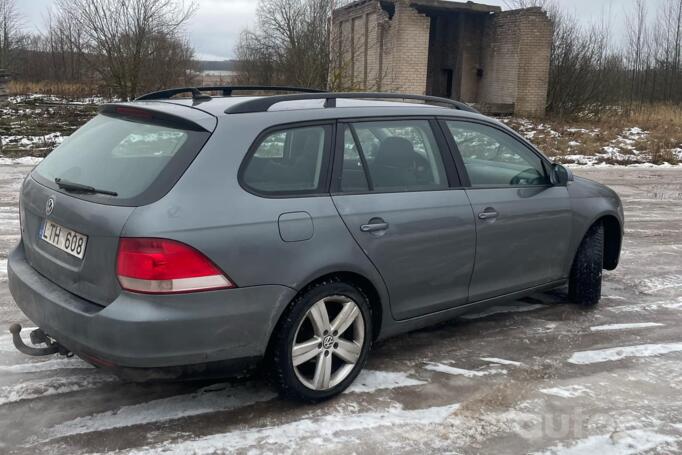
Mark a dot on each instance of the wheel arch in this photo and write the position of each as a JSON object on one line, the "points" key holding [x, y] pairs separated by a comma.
{"points": [[613, 238], [376, 299]]}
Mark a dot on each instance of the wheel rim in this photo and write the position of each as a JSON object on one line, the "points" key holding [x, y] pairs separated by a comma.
{"points": [[328, 342]]}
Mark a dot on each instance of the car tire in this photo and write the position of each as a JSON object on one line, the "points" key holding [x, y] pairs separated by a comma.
{"points": [[584, 286], [328, 371]]}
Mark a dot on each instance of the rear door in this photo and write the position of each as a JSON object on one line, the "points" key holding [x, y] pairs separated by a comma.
{"points": [[523, 222], [398, 195], [71, 236]]}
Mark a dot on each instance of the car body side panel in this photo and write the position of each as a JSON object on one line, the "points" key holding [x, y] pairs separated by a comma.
{"points": [[426, 255], [240, 231], [526, 245]]}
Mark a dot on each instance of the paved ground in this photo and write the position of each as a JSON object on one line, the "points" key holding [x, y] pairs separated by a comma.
{"points": [[538, 376]]}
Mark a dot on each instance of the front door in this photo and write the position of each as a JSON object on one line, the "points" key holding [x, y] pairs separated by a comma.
{"points": [[394, 195], [523, 222]]}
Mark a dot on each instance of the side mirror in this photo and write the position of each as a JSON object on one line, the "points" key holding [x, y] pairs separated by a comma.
{"points": [[562, 175]]}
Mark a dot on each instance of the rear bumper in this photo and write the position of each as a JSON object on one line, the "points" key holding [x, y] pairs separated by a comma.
{"points": [[146, 331]]}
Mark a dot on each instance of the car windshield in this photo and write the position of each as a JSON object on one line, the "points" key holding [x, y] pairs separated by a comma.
{"points": [[116, 155]]}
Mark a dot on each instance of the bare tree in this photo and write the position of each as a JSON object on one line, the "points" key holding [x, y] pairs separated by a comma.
{"points": [[290, 44], [637, 52], [10, 23], [119, 37]]}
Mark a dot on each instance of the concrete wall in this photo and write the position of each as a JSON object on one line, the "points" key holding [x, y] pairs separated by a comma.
{"points": [[499, 60]]}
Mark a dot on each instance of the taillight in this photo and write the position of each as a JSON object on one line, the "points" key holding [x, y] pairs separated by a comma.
{"points": [[160, 266]]}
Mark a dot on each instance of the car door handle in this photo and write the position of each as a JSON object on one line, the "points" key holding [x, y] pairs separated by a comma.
{"points": [[375, 227], [488, 214]]}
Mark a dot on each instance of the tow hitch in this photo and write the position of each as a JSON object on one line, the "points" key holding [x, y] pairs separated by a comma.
{"points": [[37, 337]]}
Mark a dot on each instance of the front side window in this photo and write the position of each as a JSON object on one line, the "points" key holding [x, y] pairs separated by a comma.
{"points": [[494, 158], [392, 156], [289, 161]]}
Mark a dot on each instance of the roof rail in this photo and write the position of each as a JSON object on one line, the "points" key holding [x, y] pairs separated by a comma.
{"points": [[265, 103], [197, 92]]}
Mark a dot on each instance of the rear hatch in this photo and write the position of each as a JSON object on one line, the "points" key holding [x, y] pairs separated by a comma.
{"points": [[76, 202]]}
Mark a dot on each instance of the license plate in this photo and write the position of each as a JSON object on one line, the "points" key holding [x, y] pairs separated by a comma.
{"points": [[64, 239]]}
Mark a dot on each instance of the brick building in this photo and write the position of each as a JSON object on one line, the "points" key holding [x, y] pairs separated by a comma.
{"points": [[497, 60]]}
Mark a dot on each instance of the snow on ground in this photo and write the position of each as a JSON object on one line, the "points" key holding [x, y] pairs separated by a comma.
{"points": [[37, 97], [519, 378], [616, 443], [570, 391], [35, 388], [502, 361], [628, 326], [331, 430], [30, 142], [659, 283], [619, 353], [371, 381], [46, 365], [217, 397], [595, 147], [447, 369], [23, 161]]}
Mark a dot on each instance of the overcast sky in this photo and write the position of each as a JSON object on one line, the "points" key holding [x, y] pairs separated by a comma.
{"points": [[215, 29]]}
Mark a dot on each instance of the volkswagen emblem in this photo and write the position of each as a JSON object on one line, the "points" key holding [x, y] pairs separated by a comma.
{"points": [[328, 342], [49, 206]]}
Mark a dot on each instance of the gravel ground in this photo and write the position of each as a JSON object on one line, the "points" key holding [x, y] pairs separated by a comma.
{"points": [[535, 376]]}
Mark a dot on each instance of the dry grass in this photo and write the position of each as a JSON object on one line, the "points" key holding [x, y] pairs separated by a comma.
{"points": [[561, 138], [60, 89]]}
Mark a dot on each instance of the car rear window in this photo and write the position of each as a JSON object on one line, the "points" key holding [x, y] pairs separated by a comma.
{"points": [[139, 161]]}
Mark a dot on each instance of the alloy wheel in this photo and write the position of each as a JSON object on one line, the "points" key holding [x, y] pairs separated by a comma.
{"points": [[328, 342]]}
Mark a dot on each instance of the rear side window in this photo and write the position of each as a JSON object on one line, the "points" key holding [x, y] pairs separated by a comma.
{"points": [[128, 157], [392, 156], [289, 161]]}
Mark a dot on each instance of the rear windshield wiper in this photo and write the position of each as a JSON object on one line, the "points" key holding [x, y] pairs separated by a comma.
{"points": [[77, 187]]}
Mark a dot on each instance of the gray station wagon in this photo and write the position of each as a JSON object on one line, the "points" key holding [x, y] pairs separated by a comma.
{"points": [[179, 234]]}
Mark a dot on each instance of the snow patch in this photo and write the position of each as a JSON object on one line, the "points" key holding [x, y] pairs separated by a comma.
{"points": [[643, 307], [335, 428], [501, 361], [48, 140], [214, 398], [655, 284], [370, 381], [618, 443], [634, 325], [49, 365], [612, 354], [29, 390], [23, 161], [571, 391], [442, 368]]}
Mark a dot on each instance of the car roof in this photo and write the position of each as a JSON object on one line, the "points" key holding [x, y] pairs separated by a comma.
{"points": [[345, 108]]}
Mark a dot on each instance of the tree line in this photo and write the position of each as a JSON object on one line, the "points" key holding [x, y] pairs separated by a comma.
{"points": [[126, 47], [592, 70], [121, 48]]}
